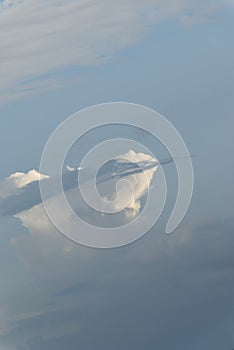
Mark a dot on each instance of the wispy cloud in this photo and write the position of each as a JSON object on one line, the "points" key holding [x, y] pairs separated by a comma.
{"points": [[38, 37]]}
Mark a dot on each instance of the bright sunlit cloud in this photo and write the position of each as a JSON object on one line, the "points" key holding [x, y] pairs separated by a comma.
{"points": [[16, 181]]}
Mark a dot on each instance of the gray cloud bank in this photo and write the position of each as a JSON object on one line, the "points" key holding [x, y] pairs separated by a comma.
{"points": [[164, 292]]}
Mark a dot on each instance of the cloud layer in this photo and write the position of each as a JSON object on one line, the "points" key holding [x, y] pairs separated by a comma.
{"points": [[179, 285], [39, 39], [145, 291]]}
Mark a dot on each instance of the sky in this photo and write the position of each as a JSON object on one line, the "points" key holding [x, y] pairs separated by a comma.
{"points": [[162, 291]]}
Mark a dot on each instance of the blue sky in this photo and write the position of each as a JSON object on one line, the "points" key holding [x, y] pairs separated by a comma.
{"points": [[162, 291]]}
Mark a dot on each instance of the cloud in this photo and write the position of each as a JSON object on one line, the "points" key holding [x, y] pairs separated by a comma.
{"points": [[132, 286], [135, 170], [12, 184], [42, 235], [138, 170], [40, 39], [37, 87], [161, 285], [20, 192]]}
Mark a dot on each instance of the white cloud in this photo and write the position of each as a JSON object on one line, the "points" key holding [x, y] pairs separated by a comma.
{"points": [[58, 265], [140, 181], [69, 168], [47, 254], [12, 184], [36, 220], [19, 192], [38, 37]]}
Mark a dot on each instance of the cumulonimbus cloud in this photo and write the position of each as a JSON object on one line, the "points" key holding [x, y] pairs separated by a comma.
{"points": [[20, 192]]}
